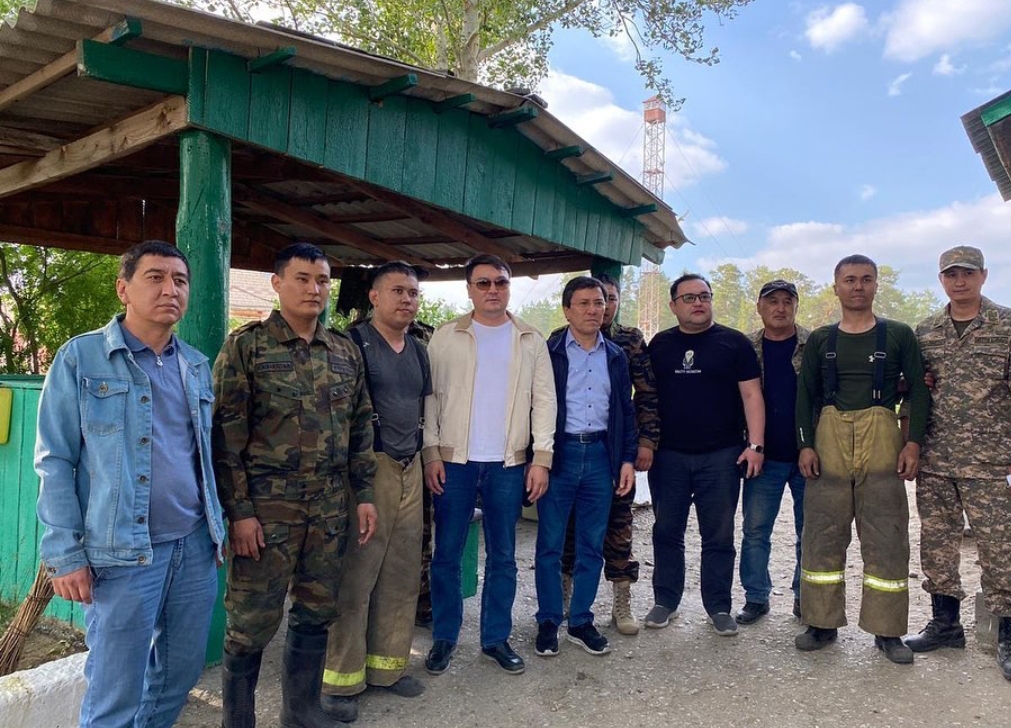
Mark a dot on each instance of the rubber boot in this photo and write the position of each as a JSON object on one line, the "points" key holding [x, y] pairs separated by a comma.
{"points": [[1004, 647], [239, 675], [301, 681], [944, 630], [621, 611]]}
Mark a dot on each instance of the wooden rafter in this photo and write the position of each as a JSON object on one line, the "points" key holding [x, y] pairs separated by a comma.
{"points": [[98, 148], [318, 224], [51, 73], [437, 220]]}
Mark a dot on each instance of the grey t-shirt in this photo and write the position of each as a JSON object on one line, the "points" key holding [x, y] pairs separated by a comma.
{"points": [[398, 384]]}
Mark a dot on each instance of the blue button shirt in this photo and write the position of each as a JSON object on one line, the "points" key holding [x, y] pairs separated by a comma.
{"points": [[588, 389]]}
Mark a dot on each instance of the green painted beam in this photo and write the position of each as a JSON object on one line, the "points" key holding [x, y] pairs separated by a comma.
{"points": [[126, 30], [996, 112], [127, 67], [393, 86], [512, 117], [594, 178], [453, 102], [281, 55], [640, 210], [565, 152], [605, 266]]}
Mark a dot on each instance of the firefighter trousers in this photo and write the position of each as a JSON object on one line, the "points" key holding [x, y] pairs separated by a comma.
{"points": [[371, 639], [859, 452]]}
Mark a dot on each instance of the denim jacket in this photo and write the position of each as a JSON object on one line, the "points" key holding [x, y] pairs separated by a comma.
{"points": [[93, 452]]}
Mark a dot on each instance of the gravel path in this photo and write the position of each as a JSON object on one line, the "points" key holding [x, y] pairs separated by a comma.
{"points": [[684, 675]]}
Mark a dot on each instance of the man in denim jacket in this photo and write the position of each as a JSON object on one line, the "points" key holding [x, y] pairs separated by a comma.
{"points": [[133, 526]]}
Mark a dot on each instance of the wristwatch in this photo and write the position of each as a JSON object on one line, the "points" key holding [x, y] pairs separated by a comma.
{"points": [[760, 449]]}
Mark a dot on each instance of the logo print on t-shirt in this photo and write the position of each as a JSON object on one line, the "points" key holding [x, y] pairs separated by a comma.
{"points": [[689, 359]]}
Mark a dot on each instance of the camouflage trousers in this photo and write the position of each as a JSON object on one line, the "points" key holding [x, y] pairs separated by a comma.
{"points": [[423, 614], [305, 542], [859, 452], [940, 502], [619, 563], [371, 639]]}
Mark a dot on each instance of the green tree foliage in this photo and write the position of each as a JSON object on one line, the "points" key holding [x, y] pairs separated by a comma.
{"points": [[46, 297], [501, 42], [9, 8]]}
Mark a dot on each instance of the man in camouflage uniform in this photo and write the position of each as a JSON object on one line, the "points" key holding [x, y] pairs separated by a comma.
{"points": [[292, 431], [966, 457], [620, 566]]}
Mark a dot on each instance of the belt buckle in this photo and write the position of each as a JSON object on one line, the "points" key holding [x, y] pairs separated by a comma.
{"points": [[586, 438]]}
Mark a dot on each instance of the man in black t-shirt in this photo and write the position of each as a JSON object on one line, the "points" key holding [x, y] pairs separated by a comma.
{"points": [[709, 395]]}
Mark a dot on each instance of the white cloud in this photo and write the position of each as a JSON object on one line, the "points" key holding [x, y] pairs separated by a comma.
{"points": [[829, 28], [918, 28], [716, 227], [867, 192], [621, 45], [944, 66], [909, 242], [590, 110], [895, 87], [796, 56]]}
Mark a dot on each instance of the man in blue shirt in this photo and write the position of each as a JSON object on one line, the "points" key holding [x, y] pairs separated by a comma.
{"points": [[133, 526], [595, 451]]}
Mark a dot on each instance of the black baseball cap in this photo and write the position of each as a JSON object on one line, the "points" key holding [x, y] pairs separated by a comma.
{"points": [[778, 285]]}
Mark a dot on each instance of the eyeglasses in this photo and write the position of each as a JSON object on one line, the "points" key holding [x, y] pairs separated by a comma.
{"points": [[692, 297], [483, 284]]}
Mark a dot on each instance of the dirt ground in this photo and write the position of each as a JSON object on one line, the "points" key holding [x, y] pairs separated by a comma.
{"points": [[50, 640], [685, 674]]}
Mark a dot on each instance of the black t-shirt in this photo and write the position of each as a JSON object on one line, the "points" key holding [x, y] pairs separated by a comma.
{"points": [[780, 390], [697, 378]]}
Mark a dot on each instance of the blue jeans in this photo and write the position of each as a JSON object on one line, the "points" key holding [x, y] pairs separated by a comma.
{"points": [[147, 634], [710, 481], [583, 486], [501, 492], [761, 501]]}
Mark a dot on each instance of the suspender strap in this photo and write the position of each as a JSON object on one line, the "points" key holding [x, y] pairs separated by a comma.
{"points": [[377, 440], [832, 376], [878, 377], [879, 362]]}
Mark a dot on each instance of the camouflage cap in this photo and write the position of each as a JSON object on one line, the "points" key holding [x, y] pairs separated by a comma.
{"points": [[962, 256]]}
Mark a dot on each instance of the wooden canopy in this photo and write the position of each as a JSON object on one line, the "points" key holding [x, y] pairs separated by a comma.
{"points": [[369, 158]]}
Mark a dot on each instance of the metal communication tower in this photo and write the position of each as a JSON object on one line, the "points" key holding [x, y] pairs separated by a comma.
{"points": [[653, 147]]}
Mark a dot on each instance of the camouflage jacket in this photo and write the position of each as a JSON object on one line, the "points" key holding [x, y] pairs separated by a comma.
{"points": [[640, 369], [289, 416], [755, 337], [969, 429]]}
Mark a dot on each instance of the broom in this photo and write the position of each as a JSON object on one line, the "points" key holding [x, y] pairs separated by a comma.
{"points": [[28, 614]]}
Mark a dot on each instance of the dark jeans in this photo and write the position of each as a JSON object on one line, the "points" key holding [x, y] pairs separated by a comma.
{"points": [[711, 481]]}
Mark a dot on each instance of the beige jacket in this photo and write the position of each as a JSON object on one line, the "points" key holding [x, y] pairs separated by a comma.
{"points": [[531, 400]]}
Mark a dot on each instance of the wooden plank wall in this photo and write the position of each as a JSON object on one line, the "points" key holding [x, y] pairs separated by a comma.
{"points": [[20, 531], [453, 160]]}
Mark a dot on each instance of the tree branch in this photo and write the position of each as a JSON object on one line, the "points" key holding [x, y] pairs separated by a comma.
{"points": [[525, 32]]}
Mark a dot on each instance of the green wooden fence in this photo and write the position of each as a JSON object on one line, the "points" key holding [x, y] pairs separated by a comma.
{"points": [[20, 531]]}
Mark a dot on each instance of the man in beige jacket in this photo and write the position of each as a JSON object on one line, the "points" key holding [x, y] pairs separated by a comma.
{"points": [[493, 398]]}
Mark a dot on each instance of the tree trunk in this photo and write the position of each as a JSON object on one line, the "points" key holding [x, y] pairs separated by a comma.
{"points": [[471, 51]]}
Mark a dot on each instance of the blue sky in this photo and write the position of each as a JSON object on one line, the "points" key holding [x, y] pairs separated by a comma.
{"points": [[827, 129]]}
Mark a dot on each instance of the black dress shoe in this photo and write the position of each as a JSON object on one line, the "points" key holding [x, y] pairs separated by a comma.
{"points": [[751, 612], [504, 656], [439, 656]]}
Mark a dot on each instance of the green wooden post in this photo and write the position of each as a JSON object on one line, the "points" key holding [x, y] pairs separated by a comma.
{"points": [[204, 234], [607, 266]]}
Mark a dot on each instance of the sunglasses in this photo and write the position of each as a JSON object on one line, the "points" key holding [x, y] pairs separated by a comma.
{"points": [[483, 284]]}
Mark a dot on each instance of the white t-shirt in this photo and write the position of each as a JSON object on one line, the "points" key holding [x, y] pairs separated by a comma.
{"points": [[488, 416]]}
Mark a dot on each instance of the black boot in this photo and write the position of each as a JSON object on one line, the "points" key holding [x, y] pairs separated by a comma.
{"points": [[1004, 647], [944, 630], [239, 674], [301, 681]]}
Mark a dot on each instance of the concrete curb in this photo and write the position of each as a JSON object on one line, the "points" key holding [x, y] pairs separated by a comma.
{"points": [[48, 696]]}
